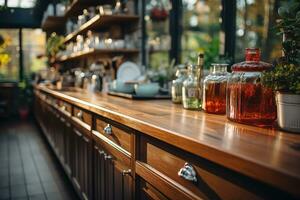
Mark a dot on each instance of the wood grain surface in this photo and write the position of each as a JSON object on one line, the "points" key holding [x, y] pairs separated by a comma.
{"points": [[268, 155]]}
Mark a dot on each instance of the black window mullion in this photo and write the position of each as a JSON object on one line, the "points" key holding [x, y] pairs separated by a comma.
{"points": [[176, 30], [21, 63], [143, 33], [229, 26]]}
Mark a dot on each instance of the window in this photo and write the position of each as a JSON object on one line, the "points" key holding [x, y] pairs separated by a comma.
{"points": [[9, 54], [33, 50], [158, 42], [201, 29], [21, 3], [254, 22], [33, 43]]}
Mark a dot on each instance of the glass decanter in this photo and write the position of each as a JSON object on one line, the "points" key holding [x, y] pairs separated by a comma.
{"points": [[214, 89], [191, 89], [248, 100], [177, 84]]}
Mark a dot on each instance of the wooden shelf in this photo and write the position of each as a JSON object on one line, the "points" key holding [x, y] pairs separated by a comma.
{"points": [[77, 6], [97, 52], [53, 23], [101, 22]]}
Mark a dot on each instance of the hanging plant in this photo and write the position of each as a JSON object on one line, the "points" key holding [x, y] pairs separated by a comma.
{"points": [[159, 12], [55, 43]]}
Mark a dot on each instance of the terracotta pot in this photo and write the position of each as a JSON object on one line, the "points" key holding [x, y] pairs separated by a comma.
{"points": [[288, 111]]}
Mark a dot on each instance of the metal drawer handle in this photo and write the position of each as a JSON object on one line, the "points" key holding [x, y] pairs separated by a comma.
{"points": [[108, 129], [86, 139], [107, 157], [63, 107], [126, 172], [188, 172], [78, 133], [101, 152], [80, 114]]}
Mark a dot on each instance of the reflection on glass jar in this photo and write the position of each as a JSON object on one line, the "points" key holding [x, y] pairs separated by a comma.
{"points": [[248, 101], [214, 91], [191, 90], [177, 84]]}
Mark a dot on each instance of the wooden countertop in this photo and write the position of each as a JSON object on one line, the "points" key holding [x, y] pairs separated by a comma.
{"points": [[268, 155]]}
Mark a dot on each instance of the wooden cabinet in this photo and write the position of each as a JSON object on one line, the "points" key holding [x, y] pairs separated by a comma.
{"points": [[69, 147], [82, 162], [177, 174], [82, 117], [118, 136], [112, 177], [106, 159]]}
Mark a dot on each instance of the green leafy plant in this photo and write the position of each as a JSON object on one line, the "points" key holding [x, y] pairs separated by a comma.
{"points": [[55, 43], [285, 77], [5, 58]]}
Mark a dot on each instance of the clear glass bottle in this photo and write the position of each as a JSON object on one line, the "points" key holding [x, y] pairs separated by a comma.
{"points": [[248, 100], [191, 90], [177, 84], [214, 89]]}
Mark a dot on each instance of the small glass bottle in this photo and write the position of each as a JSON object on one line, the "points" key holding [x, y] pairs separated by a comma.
{"points": [[191, 90], [214, 89], [177, 84]]}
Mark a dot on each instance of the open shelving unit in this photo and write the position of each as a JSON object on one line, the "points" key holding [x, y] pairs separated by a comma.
{"points": [[101, 21], [97, 52], [76, 7], [53, 23], [125, 23]]}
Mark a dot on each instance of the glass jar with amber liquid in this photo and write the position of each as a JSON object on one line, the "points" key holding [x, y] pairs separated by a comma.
{"points": [[248, 100], [214, 89]]}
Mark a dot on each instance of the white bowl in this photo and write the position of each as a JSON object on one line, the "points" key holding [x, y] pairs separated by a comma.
{"points": [[146, 89], [120, 86]]}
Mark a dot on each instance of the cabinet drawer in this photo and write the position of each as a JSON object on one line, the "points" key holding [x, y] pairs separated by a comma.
{"points": [[118, 136], [83, 116], [150, 193], [64, 106], [210, 181]]}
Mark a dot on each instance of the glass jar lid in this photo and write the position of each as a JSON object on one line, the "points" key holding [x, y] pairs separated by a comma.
{"points": [[252, 63], [218, 68]]}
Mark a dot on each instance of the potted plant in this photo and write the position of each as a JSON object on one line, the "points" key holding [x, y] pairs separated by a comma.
{"points": [[285, 76], [55, 43], [23, 107]]}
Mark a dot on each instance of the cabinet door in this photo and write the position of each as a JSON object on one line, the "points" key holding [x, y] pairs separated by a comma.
{"points": [[122, 181], [76, 157], [82, 163], [61, 138], [112, 180], [68, 146], [86, 167]]}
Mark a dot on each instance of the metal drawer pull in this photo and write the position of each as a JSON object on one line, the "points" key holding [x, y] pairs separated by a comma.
{"points": [[101, 152], [86, 139], [80, 114], [108, 129], [107, 157], [126, 172], [78, 133], [188, 172], [63, 107]]}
